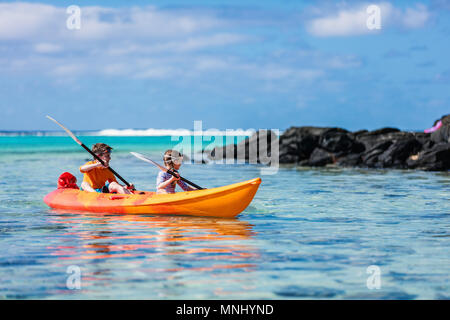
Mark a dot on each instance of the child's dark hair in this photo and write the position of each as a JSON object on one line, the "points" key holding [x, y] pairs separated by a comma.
{"points": [[168, 157], [101, 148]]}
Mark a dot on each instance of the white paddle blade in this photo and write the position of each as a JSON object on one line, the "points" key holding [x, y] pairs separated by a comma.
{"points": [[67, 130], [144, 158]]}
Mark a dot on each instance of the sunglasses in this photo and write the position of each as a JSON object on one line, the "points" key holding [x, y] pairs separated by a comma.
{"points": [[175, 160]]}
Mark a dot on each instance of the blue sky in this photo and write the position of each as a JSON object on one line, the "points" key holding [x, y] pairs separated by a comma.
{"points": [[231, 64]]}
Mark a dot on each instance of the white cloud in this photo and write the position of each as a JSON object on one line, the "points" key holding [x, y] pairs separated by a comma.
{"points": [[22, 21], [145, 43], [210, 63], [415, 17], [141, 42], [47, 48], [28, 21], [352, 21], [346, 22], [156, 72], [196, 43], [192, 43], [68, 70], [115, 69]]}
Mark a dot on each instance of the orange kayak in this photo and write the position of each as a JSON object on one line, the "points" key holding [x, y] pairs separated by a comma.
{"points": [[226, 202]]}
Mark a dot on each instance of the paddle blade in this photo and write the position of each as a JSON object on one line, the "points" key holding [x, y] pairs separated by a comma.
{"points": [[144, 158], [67, 130]]}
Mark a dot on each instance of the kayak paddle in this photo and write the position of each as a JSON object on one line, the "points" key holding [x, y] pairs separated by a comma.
{"points": [[88, 150], [144, 158]]}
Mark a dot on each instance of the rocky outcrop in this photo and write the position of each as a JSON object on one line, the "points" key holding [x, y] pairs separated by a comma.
{"points": [[256, 149], [443, 134], [383, 148], [315, 146], [436, 158]]}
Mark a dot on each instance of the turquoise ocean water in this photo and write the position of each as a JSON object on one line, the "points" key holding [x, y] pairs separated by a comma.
{"points": [[308, 234]]}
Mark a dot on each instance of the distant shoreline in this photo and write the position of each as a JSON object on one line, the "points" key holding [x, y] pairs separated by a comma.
{"points": [[138, 132], [127, 133], [40, 133]]}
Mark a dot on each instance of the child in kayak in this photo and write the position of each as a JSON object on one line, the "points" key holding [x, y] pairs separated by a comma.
{"points": [[165, 182], [97, 178]]}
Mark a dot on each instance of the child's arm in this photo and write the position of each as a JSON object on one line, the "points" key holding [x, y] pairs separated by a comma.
{"points": [[164, 184], [184, 186], [89, 167], [86, 187]]}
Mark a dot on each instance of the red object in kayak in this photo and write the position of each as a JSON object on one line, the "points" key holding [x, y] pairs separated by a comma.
{"points": [[67, 180]]}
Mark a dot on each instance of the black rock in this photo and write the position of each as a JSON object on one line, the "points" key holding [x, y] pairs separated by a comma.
{"points": [[289, 158], [370, 157], [299, 142], [321, 146], [255, 149], [398, 152], [350, 160], [382, 148], [320, 158], [422, 137], [372, 138], [357, 133], [340, 141], [443, 133], [435, 159], [382, 131]]}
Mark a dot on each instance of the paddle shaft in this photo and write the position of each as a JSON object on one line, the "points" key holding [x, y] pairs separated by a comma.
{"points": [[183, 179], [144, 158]]}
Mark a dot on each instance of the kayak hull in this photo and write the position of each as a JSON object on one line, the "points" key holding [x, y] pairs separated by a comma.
{"points": [[226, 202]]}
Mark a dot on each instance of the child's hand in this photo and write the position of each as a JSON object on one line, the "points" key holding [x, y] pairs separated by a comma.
{"points": [[176, 174], [174, 178]]}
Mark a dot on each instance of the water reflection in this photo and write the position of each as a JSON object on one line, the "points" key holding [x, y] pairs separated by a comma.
{"points": [[154, 243]]}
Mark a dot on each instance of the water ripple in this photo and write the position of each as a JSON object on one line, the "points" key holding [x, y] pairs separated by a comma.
{"points": [[308, 234]]}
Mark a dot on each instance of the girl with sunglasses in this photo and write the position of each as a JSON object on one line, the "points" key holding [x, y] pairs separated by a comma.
{"points": [[165, 182]]}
